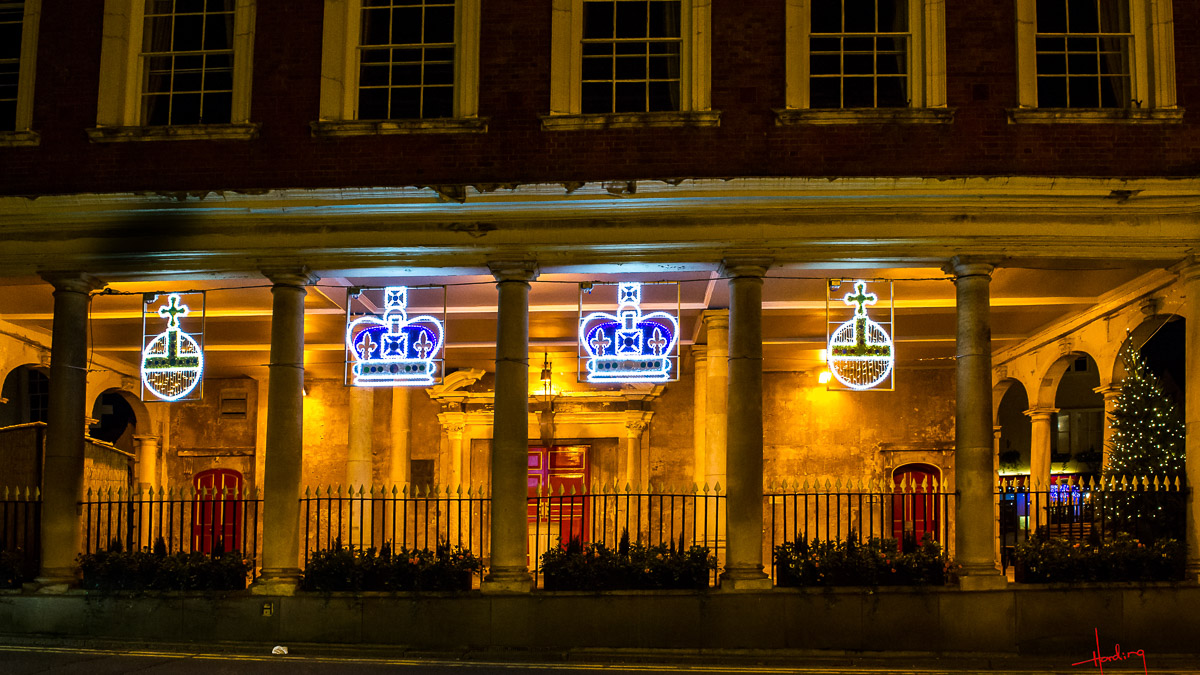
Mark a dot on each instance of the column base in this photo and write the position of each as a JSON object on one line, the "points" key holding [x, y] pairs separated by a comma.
{"points": [[54, 582], [982, 580], [507, 580], [284, 581], [745, 579]]}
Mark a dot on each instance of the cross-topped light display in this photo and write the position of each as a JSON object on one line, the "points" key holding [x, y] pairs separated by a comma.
{"points": [[394, 350], [861, 353], [628, 346], [172, 362]]}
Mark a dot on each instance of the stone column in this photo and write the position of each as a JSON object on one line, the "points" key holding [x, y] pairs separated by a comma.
{"points": [[285, 434], [996, 432], [453, 424], [1040, 429], [699, 406], [146, 449], [973, 426], [358, 463], [1111, 394], [399, 462], [636, 422], [716, 411], [62, 488], [509, 571], [1190, 277], [744, 438]]}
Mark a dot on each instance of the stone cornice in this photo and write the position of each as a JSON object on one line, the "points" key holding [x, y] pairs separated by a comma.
{"points": [[1015, 220]]}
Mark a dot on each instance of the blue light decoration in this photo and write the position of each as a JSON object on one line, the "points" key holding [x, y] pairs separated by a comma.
{"points": [[173, 361], [861, 353], [629, 346], [395, 350]]}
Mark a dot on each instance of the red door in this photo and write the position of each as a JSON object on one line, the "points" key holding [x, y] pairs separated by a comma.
{"points": [[217, 510], [558, 517], [914, 509]]}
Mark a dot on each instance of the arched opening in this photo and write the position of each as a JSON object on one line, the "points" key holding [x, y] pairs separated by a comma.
{"points": [[915, 508], [25, 396], [1015, 430], [115, 420], [1077, 429]]}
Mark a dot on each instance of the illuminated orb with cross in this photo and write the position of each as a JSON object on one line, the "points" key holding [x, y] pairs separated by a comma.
{"points": [[861, 353], [628, 346], [395, 350], [172, 363]]}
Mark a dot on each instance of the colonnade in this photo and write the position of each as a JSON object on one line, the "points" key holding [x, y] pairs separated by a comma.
{"points": [[729, 389]]}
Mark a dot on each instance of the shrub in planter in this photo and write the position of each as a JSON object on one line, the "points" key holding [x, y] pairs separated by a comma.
{"points": [[595, 567], [1051, 560], [344, 569], [12, 572], [155, 569], [875, 562]]}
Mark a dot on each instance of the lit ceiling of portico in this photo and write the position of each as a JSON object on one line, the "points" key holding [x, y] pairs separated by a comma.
{"points": [[239, 313]]}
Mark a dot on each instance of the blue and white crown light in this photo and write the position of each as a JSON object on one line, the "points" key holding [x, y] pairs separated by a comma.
{"points": [[173, 362], [629, 346], [395, 350]]}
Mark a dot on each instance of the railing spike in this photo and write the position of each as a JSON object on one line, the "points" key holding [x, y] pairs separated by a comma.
{"points": [[804, 488], [717, 488]]}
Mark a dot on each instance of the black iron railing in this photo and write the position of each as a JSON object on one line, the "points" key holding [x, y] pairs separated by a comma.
{"points": [[398, 517], [832, 512], [651, 516], [20, 527], [209, 520], [1090, 509]]}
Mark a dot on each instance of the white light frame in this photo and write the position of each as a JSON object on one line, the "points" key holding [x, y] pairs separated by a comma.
{"points": [[174, 331], [393, 318], [852, 326]]}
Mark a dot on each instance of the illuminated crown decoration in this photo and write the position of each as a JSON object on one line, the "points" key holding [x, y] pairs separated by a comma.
{"points": [[173, 363], [628, 346], [394, 350], [860, 350]]}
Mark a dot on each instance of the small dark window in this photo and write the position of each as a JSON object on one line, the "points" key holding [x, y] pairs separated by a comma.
{"points": [[1081, 364], [421, 473], [233, 405]]}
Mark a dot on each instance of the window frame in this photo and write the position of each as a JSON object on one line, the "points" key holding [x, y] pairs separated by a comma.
{"points": [[926, 72], [22, 133], [340, 42], [1152, 71], [566, 73], [122, 70]]}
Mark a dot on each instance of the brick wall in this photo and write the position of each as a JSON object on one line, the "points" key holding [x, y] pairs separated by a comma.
{"points": [[747, 81]]}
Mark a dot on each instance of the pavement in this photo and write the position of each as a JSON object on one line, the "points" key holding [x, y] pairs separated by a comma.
{"points": [[22, 656]]}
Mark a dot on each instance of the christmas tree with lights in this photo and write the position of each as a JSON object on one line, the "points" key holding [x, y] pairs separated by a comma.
{"points": [[1148, 440]]}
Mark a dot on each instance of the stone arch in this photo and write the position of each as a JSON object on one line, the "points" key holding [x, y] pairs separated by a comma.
{"points": [[1047, 389], [14, 406], [1138, 337]]}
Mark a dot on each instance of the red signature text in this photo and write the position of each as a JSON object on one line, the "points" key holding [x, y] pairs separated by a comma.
{"points": [[1098, 660]]}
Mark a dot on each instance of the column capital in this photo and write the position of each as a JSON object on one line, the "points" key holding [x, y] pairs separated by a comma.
{"points": [[1109, 391], [699, 353], [715, 318], [968, 266], [736, 267], [514, 270], [1037, 413], [290, 276], [452, 422], [636, 421], [146, 439], [73, 282]]}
